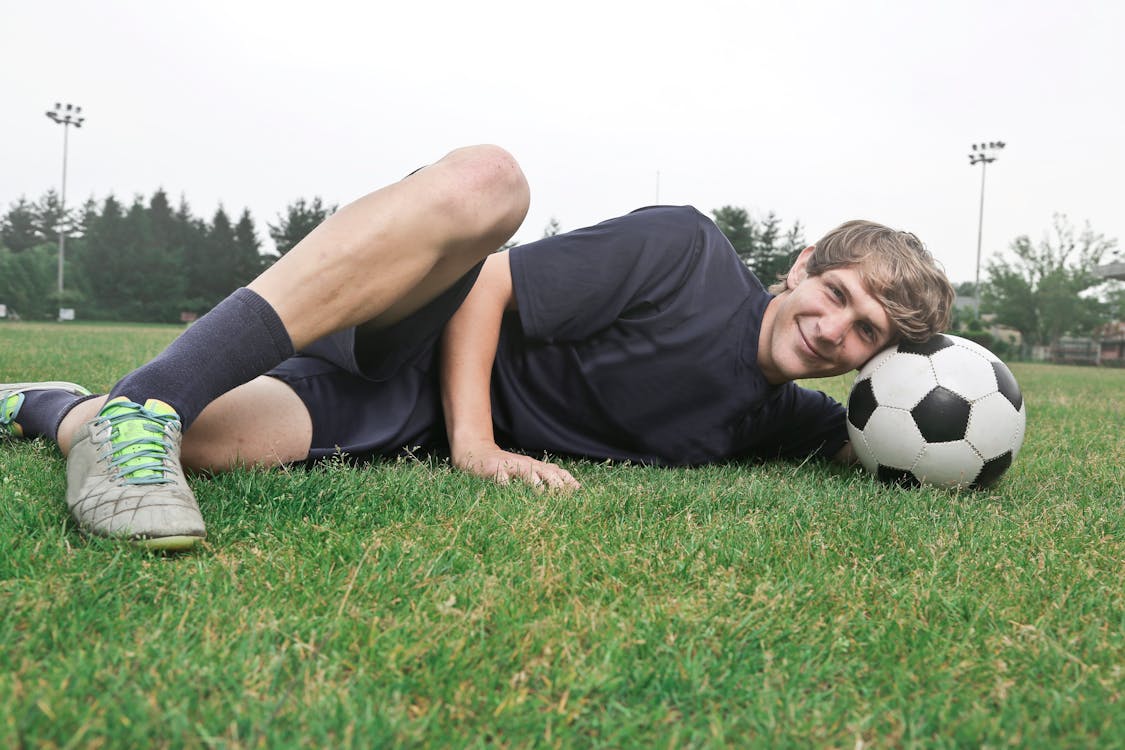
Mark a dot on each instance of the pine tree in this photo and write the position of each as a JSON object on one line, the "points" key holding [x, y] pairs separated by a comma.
{"points": [[300, 218], [248, 255], [760, 244], [50, 217], [736, 224], [18, 229], [27, 281], [774, 255], [100, 263], [217, 275], [193, 239], [160, 254]]}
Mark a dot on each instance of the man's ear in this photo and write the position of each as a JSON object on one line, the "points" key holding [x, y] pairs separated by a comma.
{"points": [[798, 272]]}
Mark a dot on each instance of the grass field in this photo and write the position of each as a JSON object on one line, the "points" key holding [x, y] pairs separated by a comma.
{"points": [[404, 604]]}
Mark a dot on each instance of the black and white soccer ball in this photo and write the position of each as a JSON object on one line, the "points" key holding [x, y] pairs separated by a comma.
{"points": [[946, 412]]}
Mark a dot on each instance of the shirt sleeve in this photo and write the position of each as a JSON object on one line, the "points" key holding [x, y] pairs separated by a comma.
{"points": [[570, 286], [808, 423]]}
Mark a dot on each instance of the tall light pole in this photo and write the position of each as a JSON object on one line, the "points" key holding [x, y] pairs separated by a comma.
{"points": [[65, 115], [983, 154]]}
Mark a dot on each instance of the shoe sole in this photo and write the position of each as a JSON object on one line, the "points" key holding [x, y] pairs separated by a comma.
{"points": [[47, 385], [168, 543], [171, 543]]}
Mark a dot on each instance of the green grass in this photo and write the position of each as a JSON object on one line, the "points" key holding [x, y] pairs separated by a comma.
{"points": [[405, 604]]}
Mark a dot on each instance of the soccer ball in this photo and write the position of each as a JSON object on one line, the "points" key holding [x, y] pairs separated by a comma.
{"points": [[946, 412]]}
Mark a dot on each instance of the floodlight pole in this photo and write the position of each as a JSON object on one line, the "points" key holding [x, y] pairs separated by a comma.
{"points": [[983, 154], [65, 115]]}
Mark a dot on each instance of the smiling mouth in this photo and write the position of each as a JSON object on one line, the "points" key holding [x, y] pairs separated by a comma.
{"points": [[808, 345]]}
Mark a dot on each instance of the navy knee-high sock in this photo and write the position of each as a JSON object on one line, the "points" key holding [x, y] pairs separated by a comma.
{"points": [[240, 339], [42, 412]]}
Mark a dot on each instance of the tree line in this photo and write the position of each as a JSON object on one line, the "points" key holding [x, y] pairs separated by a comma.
{"points": [[145, 261], [150, 261]]}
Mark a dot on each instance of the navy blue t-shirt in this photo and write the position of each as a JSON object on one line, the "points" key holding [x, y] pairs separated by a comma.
{"points": [[635, 339]]}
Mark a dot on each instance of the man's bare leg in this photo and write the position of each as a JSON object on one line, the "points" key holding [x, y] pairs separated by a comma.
{"points": [[389, 253], [374, 262], [260, 423]]}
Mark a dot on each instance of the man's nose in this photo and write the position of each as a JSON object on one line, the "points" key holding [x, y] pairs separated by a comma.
{"points": [[834, 327]]}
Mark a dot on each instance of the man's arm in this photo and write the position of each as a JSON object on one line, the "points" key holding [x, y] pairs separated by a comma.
{"points": [[468, 351]]}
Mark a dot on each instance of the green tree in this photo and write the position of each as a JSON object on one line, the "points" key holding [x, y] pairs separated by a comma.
{"points": [[760, 245], [18, 227], [87, 216], [28, 281], [212, 269], [163, 224], [300, 218], [736, 224], [100, 261], [148, 282], [50, 217], [248, 250], [776, 251], [128, 263], [162, 254], [77, 292], [552, 228], [193, 237], [1042, 290]]}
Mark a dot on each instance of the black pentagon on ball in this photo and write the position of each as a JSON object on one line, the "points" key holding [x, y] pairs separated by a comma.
{"points": [[1006, 382], [861, 404], [900, 477], [930, 346], [992, 470], [942, 416]]}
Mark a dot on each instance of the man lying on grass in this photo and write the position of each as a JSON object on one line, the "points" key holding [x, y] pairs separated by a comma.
{"points": [[394, 325]]}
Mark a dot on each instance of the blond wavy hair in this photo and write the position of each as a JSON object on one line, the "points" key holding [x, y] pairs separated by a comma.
{"points": [[897, 270]]}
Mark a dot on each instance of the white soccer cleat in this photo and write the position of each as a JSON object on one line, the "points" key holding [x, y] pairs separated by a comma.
{"points": [[125, 481]]}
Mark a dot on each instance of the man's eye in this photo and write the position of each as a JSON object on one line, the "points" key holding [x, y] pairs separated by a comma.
{"points": [[836, 292]]}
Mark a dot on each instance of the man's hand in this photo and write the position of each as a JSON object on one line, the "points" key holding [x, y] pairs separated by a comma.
{"points": [[489, 461], [846, 455], [468, 349]]}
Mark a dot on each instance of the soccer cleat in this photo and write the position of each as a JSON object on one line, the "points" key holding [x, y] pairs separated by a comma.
{"points": [[124, 478], [12, 397]]}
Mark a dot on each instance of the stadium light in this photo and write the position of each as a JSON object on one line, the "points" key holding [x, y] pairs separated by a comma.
{"points": [[65, 115], [983, 154]]}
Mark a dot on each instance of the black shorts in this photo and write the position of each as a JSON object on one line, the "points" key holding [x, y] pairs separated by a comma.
{"points": [[376, 392]]}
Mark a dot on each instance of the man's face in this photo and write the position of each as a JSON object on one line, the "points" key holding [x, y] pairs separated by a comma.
{"points": [[821, 326]]}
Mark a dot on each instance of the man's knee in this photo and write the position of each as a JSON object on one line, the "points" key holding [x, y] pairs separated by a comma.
{"points": [[485, 190]]}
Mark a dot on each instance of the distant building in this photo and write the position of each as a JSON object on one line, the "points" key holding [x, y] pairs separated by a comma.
{"points": [[1115, 270], [961, 302], [1075, 351], [1112, 349], [1008, 335], [1112, 335]]}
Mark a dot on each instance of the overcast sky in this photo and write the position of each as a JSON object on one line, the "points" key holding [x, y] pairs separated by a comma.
{"points": [[820, 111]]}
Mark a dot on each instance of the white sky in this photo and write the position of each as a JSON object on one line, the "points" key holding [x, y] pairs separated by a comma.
{"points": [[821, 111]]}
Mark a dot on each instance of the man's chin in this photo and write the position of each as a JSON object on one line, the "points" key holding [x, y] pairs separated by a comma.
{"points": [[799, 370], [804, 370]]}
